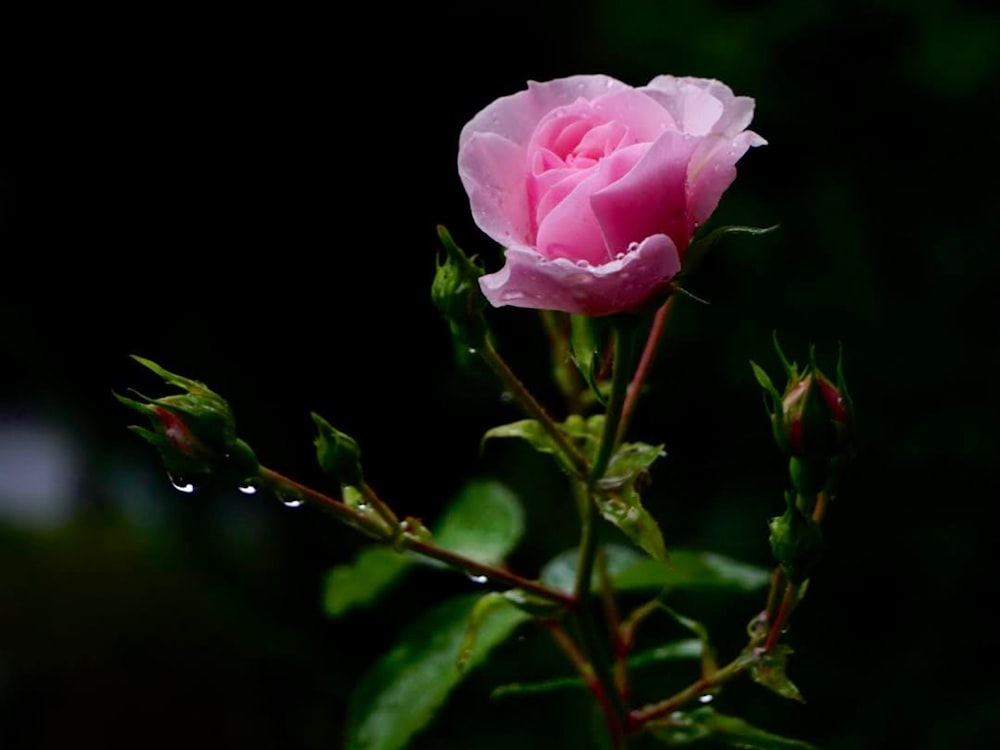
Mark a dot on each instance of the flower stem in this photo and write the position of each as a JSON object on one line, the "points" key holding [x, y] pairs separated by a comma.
{"points": [[566, 376], [380, 507], [645, 365], [377, 529], [623, 338], [704, 684], [535, 410]]}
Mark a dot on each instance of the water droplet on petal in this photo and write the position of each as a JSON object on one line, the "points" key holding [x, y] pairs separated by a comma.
{"points": [[619, 256]]}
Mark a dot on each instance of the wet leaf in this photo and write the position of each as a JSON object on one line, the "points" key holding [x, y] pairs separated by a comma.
{"points": [[770, 671], [401, 692], [683, 728]]}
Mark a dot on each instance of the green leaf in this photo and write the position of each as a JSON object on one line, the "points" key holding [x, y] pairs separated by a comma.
{"points": [[363, 581], [702, 245], [483, 522], [560, 572], [618, 498], [708, 663], [689, 648], [401, 692], [692, 569], [770, 671], [585, 433], [701, 723]]}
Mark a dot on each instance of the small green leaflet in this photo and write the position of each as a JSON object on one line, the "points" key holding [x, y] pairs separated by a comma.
{"points": [[684, 728]]}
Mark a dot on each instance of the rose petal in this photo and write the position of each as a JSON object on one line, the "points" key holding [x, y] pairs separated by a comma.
{"points": [[737, 110], [651, 198], [529, 280], [494, 171], [567, 224], [516, 116], [713, 169], [645, 117]]}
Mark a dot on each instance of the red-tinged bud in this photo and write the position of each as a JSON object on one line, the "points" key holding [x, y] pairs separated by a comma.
{"points": [[193, 431]]}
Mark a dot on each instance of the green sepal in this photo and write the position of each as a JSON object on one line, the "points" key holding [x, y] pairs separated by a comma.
{"points": [[796, 541], [588, 339], [337, 453], [769, 670], [618, 498], [457, 295], [700, 247], [684, 728]]}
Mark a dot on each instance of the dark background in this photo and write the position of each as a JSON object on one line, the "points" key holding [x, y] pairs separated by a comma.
{"points": [[250, 199]]}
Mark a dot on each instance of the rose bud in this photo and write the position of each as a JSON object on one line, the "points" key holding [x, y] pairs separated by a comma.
{"points": [[595, 188], [338, 453], [194, 431], [456, 293]]}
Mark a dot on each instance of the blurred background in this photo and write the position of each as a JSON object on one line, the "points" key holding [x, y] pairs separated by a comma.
{"points": [[250, 198]]}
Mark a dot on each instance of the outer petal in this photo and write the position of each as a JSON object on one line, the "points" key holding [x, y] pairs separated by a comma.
{"points": [[515, 116], [529, 280], [494, 172], [713, 169], [737, 111], [650, 199]]}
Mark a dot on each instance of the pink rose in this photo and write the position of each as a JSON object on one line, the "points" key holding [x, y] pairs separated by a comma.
{"points": [[595, 188]]}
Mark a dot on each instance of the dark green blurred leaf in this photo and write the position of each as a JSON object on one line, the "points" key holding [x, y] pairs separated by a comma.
{"points": [[703, 723], [401, 692], [487, 606], [770, 671], [362, 581], [484, 522], [560, 571], [619, 501], [689, 648], [692, 569]]}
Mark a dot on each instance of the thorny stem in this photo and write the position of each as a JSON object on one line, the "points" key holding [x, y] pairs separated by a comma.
{"points": [[376, 529], [645, 365], [534, 409]]}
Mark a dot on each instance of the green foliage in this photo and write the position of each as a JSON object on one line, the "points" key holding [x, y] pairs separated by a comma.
{"points": [[401, 692], [706, 723], [618, 497], [687, 569], [456, 293], [483, 522], [769, 671], [689, 648]]}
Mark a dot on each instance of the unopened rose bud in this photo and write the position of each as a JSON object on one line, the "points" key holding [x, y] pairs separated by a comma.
{"points": [[456, 293], [193, 431], [338, 453]]}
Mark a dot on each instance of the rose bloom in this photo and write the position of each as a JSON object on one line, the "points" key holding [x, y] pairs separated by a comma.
{"points": [[595, 188]]}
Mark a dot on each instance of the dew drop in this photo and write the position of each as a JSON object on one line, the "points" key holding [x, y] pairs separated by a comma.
{"points": [[705, 698], [248, 488], [182, 484], [473, 350], [477, 579], [290, 501], [619, 256], [507, 397]]}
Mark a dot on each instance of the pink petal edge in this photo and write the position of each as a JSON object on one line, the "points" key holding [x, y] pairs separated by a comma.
{"points": [[529, 280]]}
